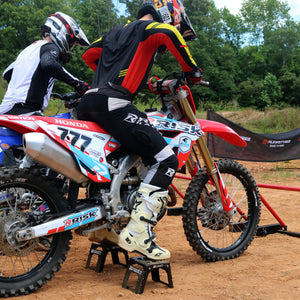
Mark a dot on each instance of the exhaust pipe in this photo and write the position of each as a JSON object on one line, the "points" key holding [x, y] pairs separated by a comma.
{"points": [[39, 147]]}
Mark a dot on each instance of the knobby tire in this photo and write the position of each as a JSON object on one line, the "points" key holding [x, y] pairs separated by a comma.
{"points": [[31, 192], [208, 232]]}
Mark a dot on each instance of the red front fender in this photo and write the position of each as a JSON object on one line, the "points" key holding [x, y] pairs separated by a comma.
{"points": [[222, 131]]}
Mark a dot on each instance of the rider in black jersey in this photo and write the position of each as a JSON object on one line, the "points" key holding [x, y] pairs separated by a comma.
{"points": [[122, 59], [32, 75]]}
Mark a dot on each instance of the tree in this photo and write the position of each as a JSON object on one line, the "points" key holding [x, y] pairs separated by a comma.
{"points": [[20, 23], [290, 86], [233, 28], [132, 7], [262, 16]]}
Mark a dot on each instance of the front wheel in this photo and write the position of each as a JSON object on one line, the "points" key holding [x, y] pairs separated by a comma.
{"points": [[209, 231], [26, 200]]}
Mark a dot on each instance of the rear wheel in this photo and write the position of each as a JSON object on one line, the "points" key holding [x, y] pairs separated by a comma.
{"points": [[26, 200], [209, 231]]}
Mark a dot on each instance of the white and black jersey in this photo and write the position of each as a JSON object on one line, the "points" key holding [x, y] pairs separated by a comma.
{"points": [[31, 77]]}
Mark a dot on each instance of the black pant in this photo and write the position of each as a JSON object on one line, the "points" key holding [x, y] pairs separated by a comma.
{"points": [[23, 108], [133, 130]]}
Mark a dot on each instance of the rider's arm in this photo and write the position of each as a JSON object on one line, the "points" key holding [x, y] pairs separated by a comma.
{"points": [[158, 34], [8, 72], [50, 64], [92, 55]]}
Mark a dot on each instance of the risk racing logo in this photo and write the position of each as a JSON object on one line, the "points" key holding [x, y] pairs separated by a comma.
{"points": [[79, 219]]}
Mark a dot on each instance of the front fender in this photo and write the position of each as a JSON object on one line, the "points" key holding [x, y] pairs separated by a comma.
{"points": [[223, 131]]}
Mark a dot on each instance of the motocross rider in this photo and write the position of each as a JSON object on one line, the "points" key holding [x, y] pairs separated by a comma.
{"points": [[122, 60], [32, 75]]}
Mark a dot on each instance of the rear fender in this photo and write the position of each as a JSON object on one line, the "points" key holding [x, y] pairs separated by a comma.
{"points": [[13, 127], [223, 131], [20, 124]]}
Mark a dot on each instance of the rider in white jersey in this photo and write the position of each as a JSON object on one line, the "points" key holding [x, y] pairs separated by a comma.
{"points": [[32, 75]]}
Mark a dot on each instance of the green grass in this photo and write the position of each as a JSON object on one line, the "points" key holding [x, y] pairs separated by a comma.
{"points": [[276, 121], [54, 106]]}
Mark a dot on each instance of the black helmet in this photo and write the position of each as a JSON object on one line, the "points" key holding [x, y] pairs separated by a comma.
{"points": [[64, 32], [169, 11]]}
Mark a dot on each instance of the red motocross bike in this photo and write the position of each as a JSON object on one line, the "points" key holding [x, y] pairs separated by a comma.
{"points": [[221, 208]]}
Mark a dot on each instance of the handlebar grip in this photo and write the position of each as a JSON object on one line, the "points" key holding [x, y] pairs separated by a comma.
{"points": [[204, 82], [56, 96]]}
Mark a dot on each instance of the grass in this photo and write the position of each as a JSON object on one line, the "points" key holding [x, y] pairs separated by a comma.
{"points": [[54, 106], [270, 121]]}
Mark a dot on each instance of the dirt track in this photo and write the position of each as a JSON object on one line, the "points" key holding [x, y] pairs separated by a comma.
{"points": [[269, 269]]}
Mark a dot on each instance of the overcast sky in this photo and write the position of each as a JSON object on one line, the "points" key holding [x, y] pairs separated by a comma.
{"points": [[235, 5]]}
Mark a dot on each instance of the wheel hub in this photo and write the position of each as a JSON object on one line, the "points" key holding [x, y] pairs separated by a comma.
{"points": [[212, 215], [9, 226]]}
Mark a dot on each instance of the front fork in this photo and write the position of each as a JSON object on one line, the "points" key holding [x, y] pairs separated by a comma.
{"points": [[212, 169]]}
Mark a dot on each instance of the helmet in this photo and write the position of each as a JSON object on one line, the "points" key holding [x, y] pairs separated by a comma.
{"points": [[64, 32], [169, 11]]}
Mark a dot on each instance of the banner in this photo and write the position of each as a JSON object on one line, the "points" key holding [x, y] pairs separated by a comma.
{"points": [[260, 147]]}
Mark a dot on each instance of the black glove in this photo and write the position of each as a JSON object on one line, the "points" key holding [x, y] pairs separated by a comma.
{"points": [[194, 77], [82, 87]]}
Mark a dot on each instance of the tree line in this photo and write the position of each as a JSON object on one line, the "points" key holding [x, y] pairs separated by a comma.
{"points": [[252, 58]]}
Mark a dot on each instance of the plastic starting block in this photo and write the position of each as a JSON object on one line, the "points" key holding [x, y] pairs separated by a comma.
{"points": [[114, 249], [142, 266]]}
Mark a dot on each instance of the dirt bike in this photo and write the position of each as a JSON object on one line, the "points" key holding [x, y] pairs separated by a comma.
{"points": [[221, 209], [11, 149]]}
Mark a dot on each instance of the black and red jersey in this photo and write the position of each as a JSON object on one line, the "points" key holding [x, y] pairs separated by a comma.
{"points": [[125, 55]]}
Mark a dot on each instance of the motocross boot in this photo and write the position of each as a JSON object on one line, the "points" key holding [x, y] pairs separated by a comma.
{"points": [[103, 235], [138, 235]]}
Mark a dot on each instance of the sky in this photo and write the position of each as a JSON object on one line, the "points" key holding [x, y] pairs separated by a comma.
{"points": [[235, 5]]}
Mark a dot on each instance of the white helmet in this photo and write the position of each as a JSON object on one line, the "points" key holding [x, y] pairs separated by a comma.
{"points": [[64, 32]]}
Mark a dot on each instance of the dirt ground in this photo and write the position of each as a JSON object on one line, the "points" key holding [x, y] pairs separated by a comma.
{"points": [[268, 269]]}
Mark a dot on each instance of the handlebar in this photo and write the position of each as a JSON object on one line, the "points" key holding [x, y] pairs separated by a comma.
{"points": [[202, 82], [166, 86], [70, 99]]}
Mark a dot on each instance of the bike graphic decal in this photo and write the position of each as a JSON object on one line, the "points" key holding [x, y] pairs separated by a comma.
{"points": [[171, 125], [101, 169], [73, 137], [70, 222], [80, 219], [185, 144]]}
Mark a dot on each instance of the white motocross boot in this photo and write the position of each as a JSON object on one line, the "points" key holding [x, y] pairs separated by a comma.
{"points": [[138, 235]]}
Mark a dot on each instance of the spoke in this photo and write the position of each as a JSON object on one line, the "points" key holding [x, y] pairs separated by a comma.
{"points": [[29, 262], [24, 268], [212, 234], [37, 257], [13, 267], [4, 265], [24, 258]]}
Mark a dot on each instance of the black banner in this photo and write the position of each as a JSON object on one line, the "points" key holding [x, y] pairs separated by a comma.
{"points": [[260, 147]]}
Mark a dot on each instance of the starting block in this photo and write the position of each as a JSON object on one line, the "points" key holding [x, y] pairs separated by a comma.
{"points": [[102, 254], [142, 266]]}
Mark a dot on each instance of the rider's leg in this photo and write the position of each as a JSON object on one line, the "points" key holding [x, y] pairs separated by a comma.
{"points": [[138, 235], [133, 130], [151, 200]]}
